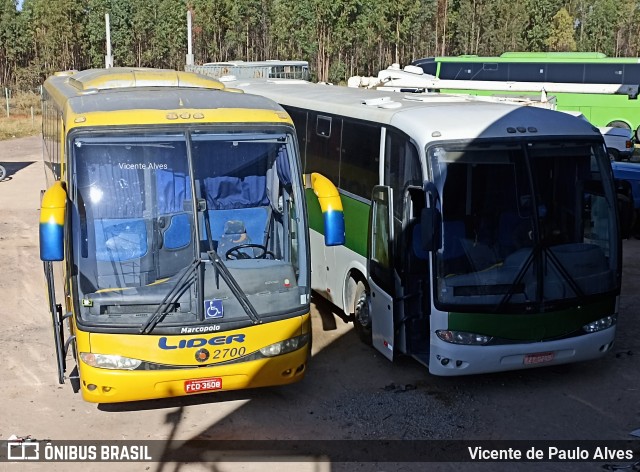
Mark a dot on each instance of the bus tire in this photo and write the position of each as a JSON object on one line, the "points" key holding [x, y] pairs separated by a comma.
{"points": [[614, 155], [361, 315], [619, 124], [3, 173]]}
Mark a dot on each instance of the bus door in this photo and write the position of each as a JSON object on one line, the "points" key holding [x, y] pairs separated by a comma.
{"points": [[381, 277], [398, 275], [413, 277]]}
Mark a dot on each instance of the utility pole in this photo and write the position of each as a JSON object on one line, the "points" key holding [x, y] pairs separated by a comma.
{"points": [[189, 59], [108, 59]]}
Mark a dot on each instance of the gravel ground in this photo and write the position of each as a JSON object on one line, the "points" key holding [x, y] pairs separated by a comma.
{"points": [[385, 414]]}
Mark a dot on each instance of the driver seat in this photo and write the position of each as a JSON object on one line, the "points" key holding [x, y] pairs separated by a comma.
{"points": [[235, 234]]}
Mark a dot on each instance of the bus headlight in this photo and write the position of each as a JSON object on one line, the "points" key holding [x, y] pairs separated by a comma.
{"points": [[283, 347], [460, 337], [599, 325], [106, 361]]}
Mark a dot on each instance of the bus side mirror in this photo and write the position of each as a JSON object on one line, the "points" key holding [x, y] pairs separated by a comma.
{"points": [[431, 229], [331, 206], [52, 217]]}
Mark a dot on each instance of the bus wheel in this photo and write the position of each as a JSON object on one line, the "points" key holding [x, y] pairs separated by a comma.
{"points": [[3, 173], [618, 124], [361, 316]]}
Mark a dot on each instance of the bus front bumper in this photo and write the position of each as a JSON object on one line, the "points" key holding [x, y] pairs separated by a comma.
{"points": [[111, 386], [452, 359]]}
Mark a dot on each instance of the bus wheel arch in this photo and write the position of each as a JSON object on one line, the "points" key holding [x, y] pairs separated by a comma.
{"points": [[353, 274]]}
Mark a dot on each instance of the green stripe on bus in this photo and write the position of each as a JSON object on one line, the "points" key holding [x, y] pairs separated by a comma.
{"points": [[533, 327], [356, 220]]}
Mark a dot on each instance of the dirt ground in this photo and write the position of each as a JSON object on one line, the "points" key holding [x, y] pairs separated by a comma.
{"points": [[350, 392]]}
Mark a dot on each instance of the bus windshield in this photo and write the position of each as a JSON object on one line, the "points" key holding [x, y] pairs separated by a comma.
{"points": [[525, 226], [152, 211]]}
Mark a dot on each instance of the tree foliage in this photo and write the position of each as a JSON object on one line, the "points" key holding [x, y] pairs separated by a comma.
{"points": [[561, 38], [339, 38]]}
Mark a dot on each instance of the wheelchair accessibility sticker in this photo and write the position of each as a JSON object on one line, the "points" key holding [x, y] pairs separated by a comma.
{"points": [[213, 309]]}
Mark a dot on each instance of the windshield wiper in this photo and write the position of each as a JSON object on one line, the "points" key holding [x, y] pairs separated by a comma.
{"points": [[183, 282], [518, 280], [564, 273], [231, 282], [538, 250]]}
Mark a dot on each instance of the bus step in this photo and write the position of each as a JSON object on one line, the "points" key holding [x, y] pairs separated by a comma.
{"points": [[422, 357]]}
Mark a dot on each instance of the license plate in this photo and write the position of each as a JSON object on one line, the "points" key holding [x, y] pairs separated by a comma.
{"points": [[202, 385], [538, 358]]}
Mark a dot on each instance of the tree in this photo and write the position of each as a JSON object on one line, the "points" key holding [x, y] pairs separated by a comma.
{"points": [[468, 27], [441, 18], [628, 34], [325, 13], [292, 30], [561, 38], [339, 38], [96, 32], [171, 34], [540, 23], [57, 34], [505, 32], [601, 26], [9, 55]]}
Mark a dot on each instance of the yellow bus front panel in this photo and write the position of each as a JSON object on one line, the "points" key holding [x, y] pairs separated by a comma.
{"points": [[178, 365]]}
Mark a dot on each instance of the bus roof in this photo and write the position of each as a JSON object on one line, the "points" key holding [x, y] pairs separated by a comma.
{"points": [[121, 89], [267, 63], [554, 55], [253, 69], [128, 77], [577, 57], [430, 115]]}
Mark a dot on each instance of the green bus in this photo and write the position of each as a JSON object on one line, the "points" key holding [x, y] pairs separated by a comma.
{"points": [[603, 88]]}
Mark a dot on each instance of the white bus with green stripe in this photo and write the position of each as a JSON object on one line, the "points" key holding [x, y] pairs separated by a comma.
{"points": [[480, 236]]}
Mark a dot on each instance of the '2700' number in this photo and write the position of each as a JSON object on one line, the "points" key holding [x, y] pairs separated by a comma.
{"points": [[228, 353], [202, 385]]}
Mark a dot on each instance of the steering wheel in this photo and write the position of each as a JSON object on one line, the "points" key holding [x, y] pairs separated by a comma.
{"points": [[234, 253]]}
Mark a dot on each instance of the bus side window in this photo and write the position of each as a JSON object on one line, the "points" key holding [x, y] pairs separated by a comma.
{"points": [[492, 71], [429, 67], [566, 73], [323, 126], [527, 72], [299, 118], [455, 70], [401, 167], [361, 150], [631, 74], [401, 170], [323, 146], [603, 73]]}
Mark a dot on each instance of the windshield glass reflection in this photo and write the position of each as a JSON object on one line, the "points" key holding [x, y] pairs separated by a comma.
{"points": [[524, 225]]}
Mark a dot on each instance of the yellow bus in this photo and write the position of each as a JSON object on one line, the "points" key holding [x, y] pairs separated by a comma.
{"points": [[174, 235]]}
